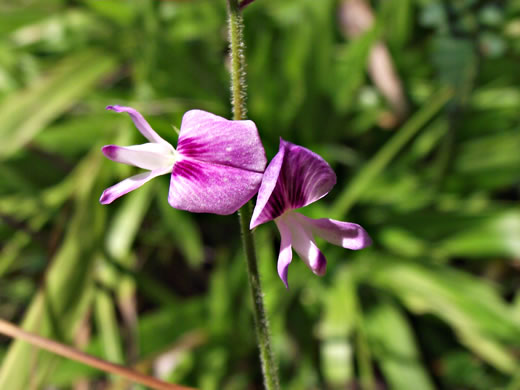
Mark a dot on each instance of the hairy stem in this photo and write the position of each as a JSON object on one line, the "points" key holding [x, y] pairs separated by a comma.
{"points": [[236, 47], [238, 94], [269, 369]]}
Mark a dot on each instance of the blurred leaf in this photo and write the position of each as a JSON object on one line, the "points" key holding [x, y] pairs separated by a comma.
{"points": [[493, 152], [494, 236], [39, 208], [490, 160], [125, 224], [398, 355], [184, 231], [456, 63], [27, 113], [402, 242], [74, 136], [350, 66], [398, 22], [496, 98], [462, 369], [11, 19], [108, 329], [481, 319], [53, 313], [336, 327], [122, 13], [383, 157]]}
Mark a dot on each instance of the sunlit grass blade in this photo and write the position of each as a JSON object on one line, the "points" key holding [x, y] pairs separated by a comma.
{"points": [[355, 188], [66, 294], [31, 109], [398, 355], [472, 307]]}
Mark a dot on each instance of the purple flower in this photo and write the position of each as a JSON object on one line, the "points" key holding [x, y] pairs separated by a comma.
{"points": [[217, 167], [295, 178]]}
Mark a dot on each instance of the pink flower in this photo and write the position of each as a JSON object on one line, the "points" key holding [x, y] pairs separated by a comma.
{"points": [[295, 178], [217, 167]]}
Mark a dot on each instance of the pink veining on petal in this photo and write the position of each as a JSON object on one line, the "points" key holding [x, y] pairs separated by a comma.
{"points": [[307, 177], [202, 187], [267, 209], [210, 138], [295, 178], [218, 166]]}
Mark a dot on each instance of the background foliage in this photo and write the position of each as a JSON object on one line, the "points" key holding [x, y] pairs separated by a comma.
{"points": [[432, 305]]}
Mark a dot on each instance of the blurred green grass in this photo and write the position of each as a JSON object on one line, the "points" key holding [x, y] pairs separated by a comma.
{"points": [[432, 305]]}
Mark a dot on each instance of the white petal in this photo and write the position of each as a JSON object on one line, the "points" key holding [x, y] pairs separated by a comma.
{"points": [[285, 255], [345, 234], [303, 243], [129, 184], [142, 125], [147, 156]]}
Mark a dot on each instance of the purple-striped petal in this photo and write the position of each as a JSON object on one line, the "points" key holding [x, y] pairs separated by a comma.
{"points": [[269, 204], [345, 234], [295, 178], [202, 187], [147, 156], [210, 138], [285, 255], [129, 184], [142, 125]]}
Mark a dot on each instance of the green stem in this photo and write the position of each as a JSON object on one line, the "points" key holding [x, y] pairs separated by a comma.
{"points": [[236, 46], [238, 92], [261, 323]]}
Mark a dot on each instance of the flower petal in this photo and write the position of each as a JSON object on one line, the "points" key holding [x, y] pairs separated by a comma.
{"points": [[147, 156], [202, 187], [345, 234], [295, 178], [268, 205], [285, 255], [129, 184], [303, 243], [210, 138], [142, 125]]}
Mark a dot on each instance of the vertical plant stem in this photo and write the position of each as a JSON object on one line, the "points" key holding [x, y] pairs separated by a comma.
{"points": [[236, 47], [269, 368], [238, 94]]}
